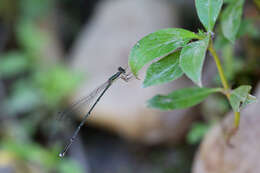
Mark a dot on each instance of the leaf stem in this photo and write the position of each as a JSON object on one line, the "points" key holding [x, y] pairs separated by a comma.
{"points": [[237, 119], [220, 69], [226, 88]]}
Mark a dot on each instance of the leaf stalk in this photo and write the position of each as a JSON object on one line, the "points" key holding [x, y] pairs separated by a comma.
{"points": [[226, 87]]}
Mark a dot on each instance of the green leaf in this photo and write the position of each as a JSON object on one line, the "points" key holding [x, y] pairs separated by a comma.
{"points": [[70, 167], [249, 100], [208, 11], [220, 42], [228, 1], [239, 97], [24, 98], [55, 83], [247, 27], [33, 9], [12, 64], [231, 19], [181, 98], [31, 38], [192, 59], [165, 70], [198, 130], [157, 45]]}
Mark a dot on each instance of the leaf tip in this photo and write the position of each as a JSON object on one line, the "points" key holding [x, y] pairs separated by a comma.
{"points": [[134, 72]]}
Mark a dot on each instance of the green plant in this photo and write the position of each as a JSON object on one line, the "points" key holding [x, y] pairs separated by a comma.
{"points": [[34, 86], [183, 52], [198, 130]]}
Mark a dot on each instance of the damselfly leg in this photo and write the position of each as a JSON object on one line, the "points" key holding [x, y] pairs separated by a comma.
{"points": [[126, 77]]}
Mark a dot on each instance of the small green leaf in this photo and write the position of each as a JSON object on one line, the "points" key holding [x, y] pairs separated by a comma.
{"points": [[198, 130], [231, 19], [192, 59], [30, 37], [13, 63], [208, 11], [157, 45], [165, 70], [238, 97], [249, 100], [181, 98]]}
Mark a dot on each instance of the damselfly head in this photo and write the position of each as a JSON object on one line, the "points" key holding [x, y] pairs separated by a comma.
{"points": [[121, 69], [61, 155]]}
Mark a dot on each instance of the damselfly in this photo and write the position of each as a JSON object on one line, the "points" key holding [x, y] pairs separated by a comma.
{"points": [[100, 90]]}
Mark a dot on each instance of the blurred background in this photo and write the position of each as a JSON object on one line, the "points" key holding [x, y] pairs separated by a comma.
{"points": [[53, 52]]}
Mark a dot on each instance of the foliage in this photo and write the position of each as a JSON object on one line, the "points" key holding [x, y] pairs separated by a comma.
{"points": [[192, 58], [231, 19], [167, 43], [181, 98], [158, 44], [24, 150], [164, 70], [208, 11], [35, 87], [198, 130], [239, 97]]}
